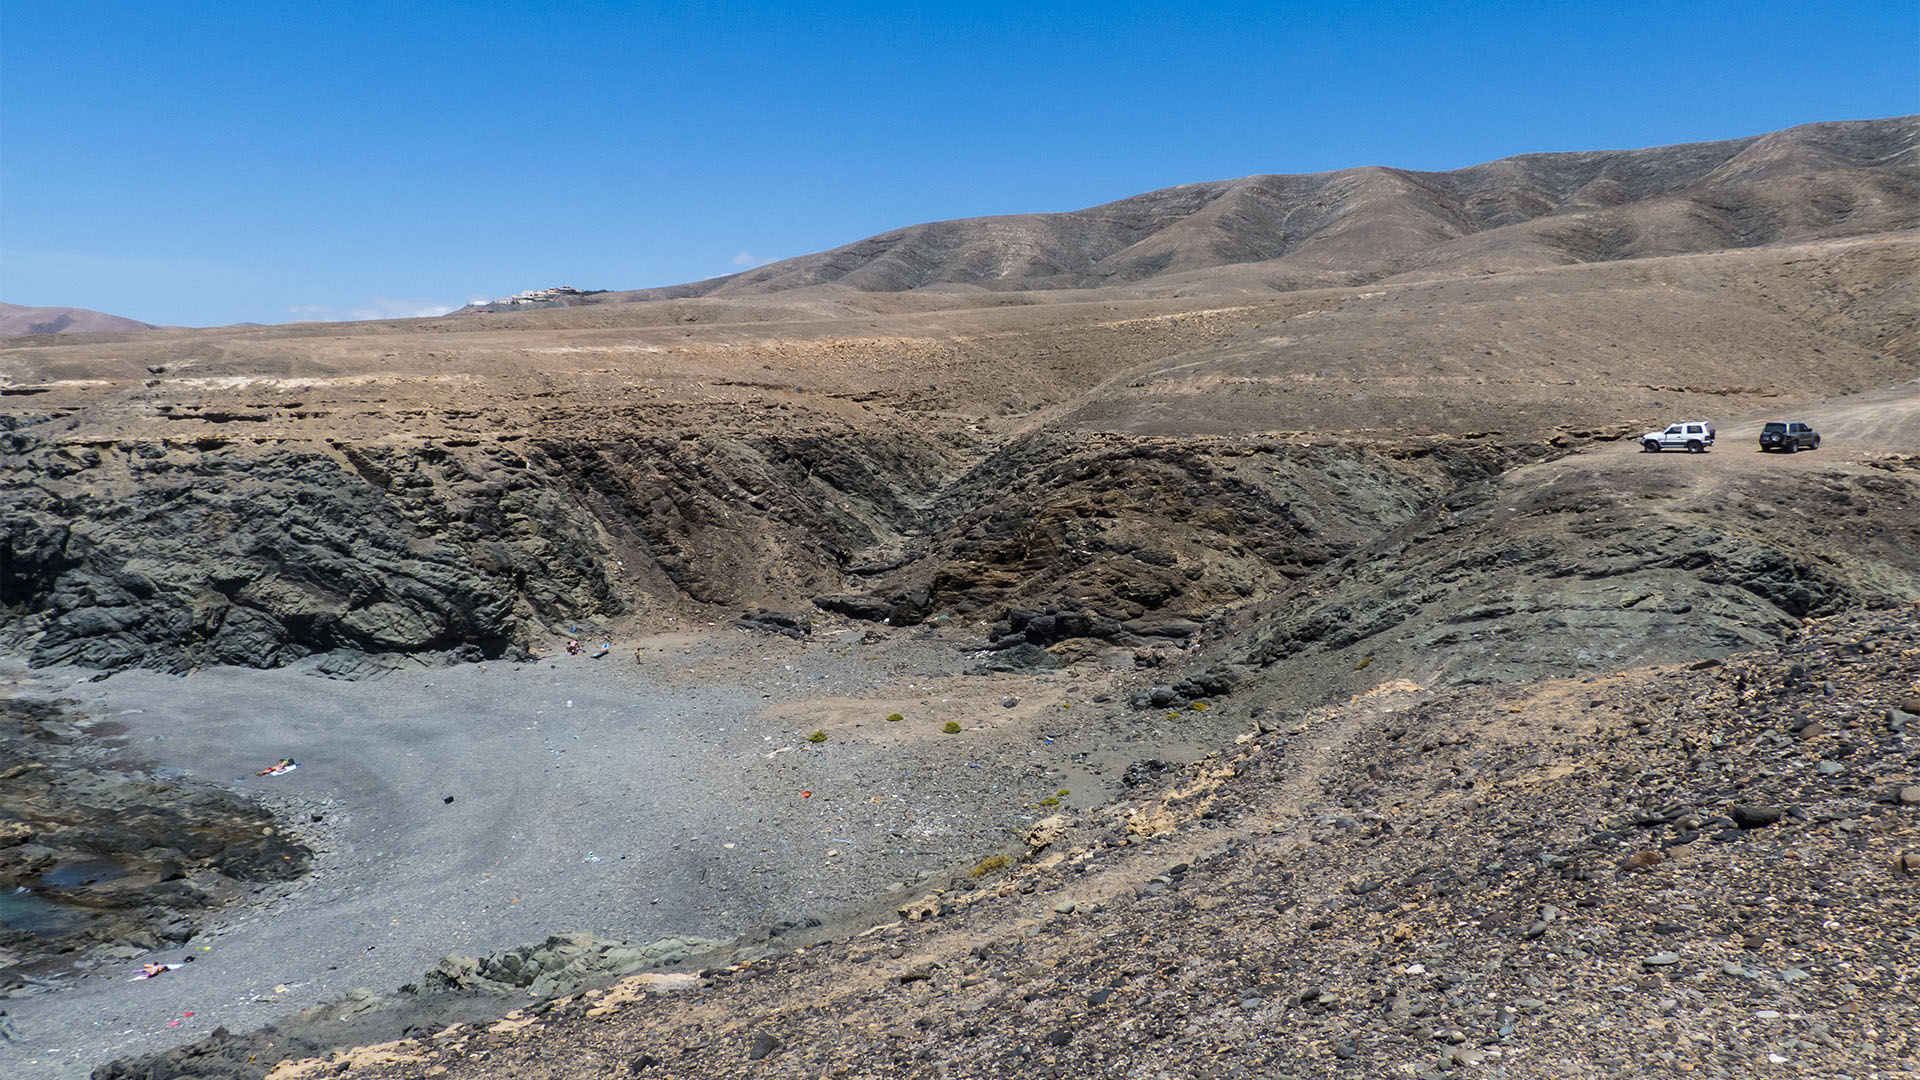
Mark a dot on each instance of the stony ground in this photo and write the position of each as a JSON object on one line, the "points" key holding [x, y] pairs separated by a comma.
{"points": [[1228, 486], [1711, 870], [110, 859]]}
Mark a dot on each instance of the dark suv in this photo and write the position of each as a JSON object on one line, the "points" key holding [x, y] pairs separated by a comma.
{"points": [[1788, 435]]}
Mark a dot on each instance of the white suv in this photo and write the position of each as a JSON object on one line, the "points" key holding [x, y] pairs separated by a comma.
{"points": [[1692, 435]]}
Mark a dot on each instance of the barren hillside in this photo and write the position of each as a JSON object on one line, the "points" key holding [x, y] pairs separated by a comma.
{"points": [[1360, 225], [1345, 464], [16, 321]]}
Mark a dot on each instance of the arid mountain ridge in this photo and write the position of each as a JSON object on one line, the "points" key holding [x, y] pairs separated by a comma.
{"points": [[16, 320], [1357, 226], [1147, 458]]}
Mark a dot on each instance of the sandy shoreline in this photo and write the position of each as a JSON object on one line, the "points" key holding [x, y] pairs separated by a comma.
{"points": [[633, 800]]}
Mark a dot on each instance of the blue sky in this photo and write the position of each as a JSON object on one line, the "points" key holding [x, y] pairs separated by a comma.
{"points": [[208, 163]]}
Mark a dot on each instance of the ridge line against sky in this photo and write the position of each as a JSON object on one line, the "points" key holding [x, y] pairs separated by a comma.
{"points": [[202, 164]]}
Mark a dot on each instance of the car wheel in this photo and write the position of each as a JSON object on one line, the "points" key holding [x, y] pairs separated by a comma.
{"points": [[1816, 442], [1789, 446], [1650, 446], [1695, 446]]}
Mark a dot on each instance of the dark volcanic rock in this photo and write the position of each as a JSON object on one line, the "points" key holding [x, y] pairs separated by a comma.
{"points": [[159, 555], [785, 623], [134, 858]]}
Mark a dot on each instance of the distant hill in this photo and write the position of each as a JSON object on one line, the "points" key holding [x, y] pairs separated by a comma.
{"points": [[1361, 225], [18, 321]]}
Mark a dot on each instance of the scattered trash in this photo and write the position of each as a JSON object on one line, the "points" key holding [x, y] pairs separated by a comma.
{"points": [[591, 857], [782, 750], [279, 768], [448, 800], [806, 794]]}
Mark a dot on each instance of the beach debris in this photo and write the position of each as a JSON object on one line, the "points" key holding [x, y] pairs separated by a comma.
{"points": [[279, 768], [591, 857], [806, 794], [188, 1015], [448, 800]]}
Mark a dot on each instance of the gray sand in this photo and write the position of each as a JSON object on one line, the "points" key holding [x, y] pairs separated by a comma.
{"points": [[633, 801]]}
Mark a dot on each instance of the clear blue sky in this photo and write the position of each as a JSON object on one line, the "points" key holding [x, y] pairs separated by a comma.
{"points": [[214, 162]]}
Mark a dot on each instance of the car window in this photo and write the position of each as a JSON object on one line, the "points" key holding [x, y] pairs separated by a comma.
{"points": [[1775, 427], [1675, 430]]}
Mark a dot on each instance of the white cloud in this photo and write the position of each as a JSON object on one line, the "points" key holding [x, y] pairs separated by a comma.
{"points": [[380, 307], [749, 260]]}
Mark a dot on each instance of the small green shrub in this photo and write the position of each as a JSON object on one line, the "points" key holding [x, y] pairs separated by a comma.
{"points": [[1049, 801], [818, 736], [989, 864], [894, 718], [1063, 793], [1199, 706], [952, 728]]}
